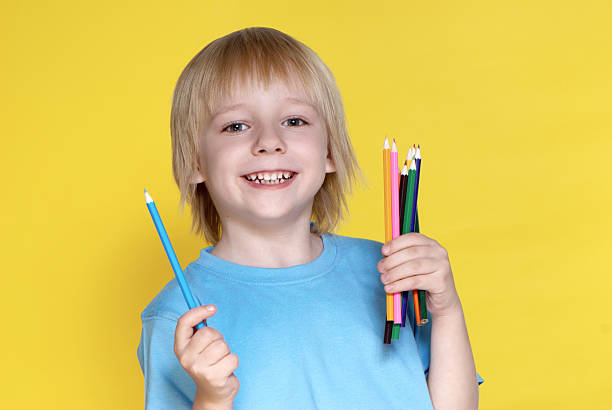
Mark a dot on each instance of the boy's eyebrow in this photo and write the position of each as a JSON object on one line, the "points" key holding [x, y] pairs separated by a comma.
{"points": [[299, 101], [234, 106]]}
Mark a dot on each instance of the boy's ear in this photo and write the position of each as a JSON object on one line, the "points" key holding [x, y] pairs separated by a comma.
{"points": [[329, 164], [197, 177]]}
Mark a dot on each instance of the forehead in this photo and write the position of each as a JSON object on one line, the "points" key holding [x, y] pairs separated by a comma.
{"points": [[243, 91]]}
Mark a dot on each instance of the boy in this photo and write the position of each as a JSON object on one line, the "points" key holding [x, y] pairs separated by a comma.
{"points": [[260, 148]]}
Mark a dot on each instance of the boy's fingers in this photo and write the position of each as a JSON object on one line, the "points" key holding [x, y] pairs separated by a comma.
{"points": [[414, 267], [215, 351], [404, 241], [202, 340], [401, 256], [186, 323], [226, 366]]}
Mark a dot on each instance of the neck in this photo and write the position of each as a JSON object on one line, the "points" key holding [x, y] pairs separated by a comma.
{"points": [[268, 247]]}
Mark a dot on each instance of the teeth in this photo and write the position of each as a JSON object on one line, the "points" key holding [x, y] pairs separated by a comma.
{"points": [[271, 177]]}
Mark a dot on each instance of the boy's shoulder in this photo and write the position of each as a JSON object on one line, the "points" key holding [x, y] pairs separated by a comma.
{"points": [[352, 241], [169, 303], [358, 248]]}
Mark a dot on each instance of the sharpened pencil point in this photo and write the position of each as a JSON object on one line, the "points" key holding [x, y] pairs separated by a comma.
{"points": [[386, 146], [410, 154], [393, 147], [148, 198]]}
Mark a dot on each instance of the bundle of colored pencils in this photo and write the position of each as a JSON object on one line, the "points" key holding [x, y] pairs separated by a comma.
{"points": [[401, 192]]}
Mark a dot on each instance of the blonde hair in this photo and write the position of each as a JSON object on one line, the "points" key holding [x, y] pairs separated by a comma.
{"points": [[262, 54]]}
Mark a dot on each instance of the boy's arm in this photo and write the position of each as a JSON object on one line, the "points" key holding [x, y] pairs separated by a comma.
{"points": [[452, 379], [200, 403]]}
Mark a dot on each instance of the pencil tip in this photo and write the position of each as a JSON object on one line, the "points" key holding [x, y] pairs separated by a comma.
{"points": [[148, 198], [386, 146]]}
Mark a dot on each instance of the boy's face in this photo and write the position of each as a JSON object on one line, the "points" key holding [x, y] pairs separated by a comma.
{"points": [[271, 132]]}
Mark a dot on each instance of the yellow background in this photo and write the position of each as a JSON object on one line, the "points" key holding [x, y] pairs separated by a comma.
{"points": [[510, 102]]}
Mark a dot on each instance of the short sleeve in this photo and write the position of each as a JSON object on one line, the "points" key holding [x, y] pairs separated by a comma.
{"points": [[167, 384], [422, 337]]}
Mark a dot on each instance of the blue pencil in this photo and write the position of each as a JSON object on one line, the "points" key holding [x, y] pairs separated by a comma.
{"points": [[417, 158], [171, 255]]}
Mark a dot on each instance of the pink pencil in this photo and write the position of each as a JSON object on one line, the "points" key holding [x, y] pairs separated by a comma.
{"points": [[395, 229]]}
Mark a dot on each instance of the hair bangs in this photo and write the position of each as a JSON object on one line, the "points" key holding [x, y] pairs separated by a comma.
{"points": [[249, 66]]}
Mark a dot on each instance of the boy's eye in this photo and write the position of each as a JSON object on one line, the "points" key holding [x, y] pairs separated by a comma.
{"points": [[293, 121], [236, 126]]}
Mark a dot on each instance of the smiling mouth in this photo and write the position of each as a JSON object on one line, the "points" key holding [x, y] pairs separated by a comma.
{"points": [[269, 178]]}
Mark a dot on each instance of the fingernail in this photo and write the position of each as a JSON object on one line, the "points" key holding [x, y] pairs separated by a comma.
{"points": [[210, 308]]}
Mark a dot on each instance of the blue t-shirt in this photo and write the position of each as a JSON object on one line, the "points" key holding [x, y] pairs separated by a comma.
{"points": [[307, 336]]}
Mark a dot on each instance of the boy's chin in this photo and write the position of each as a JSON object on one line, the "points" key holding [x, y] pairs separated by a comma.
{"points": [[271, 218]]}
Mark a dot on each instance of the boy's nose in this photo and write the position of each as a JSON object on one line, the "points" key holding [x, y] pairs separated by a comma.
{"points": [[268, 142]]}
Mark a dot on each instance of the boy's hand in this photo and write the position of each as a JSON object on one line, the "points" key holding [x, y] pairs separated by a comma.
{"points": [[414, 261], [206, 358]]}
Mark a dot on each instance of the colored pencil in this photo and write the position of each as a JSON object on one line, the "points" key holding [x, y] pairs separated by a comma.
{"points": [[422, 304], [402, 192], [171, 255], [417, 160], [388, 231], [404, 230], [397, 300], [402, 210], [397, 296]]}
